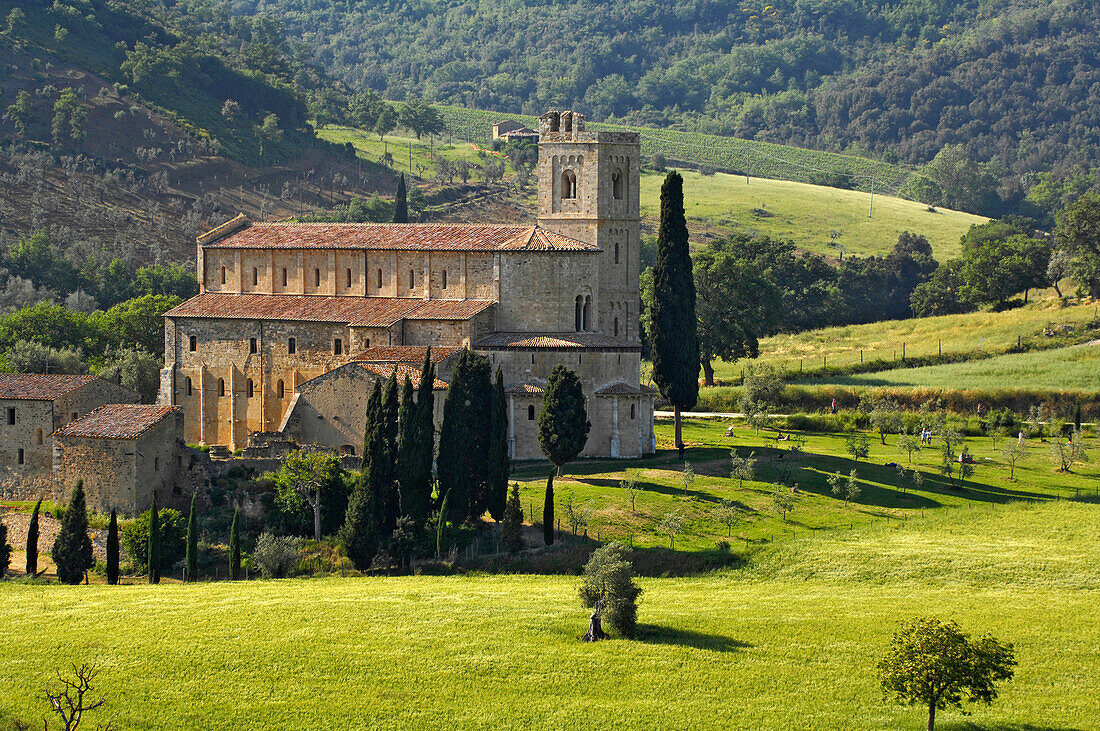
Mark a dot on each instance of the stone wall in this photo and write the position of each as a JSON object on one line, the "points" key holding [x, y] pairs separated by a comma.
{"points": [[538, 290]]}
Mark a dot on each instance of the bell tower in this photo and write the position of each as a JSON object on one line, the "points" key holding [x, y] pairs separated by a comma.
{"points": [[588, 190]]}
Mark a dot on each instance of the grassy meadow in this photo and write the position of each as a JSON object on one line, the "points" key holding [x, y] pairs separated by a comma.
{"points": [[790, 641]]}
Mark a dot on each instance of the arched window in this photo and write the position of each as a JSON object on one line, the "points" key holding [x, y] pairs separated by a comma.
{"points": [[444, 279], [616, 252], [189, 385], [279, 390], [255, 276], [38, 436], [291, 346], [349, 278], [223, 275], [530, 413], [156, 464], [632, 411], [284, 276], [577, 310], [253, 346], [379, 278], [617, 185], [585, 321], [221, 386], [569, 184], [317, 278], [192, 343], [616, 327], [368, 343], [251, 388]]}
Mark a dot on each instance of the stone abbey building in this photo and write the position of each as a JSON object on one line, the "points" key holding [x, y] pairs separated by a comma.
{"points": [[294, 320]]}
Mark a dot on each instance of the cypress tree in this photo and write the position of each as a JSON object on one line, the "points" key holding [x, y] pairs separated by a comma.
{"points": [[384, 466], [401, 202], [675, 347], [419, 498], [563, 432], [235, 547], [32, 541], [500, 464], [406, 445], [192, 562], [512, 529], [360, 531], [72, 551], [153, 554], [463, 438], [5, 550], [112, 549]]}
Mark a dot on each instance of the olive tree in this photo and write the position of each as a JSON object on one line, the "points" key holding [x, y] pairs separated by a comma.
{"points": [[608, 588]]}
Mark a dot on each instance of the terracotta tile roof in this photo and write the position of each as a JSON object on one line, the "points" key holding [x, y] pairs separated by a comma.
{"points": [[389, 237], [411, 354], [527, 388], [553, 341], [624, 389], [39, 387], [385, 369], [231, 226], [353, 311], [117, 421]]}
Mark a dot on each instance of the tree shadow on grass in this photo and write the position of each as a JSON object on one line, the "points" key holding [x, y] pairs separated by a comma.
{"points": [[657, 635], [653, 487], [968, 726]]}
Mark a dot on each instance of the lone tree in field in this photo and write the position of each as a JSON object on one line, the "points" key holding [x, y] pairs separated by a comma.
{"points": [[112, 549], [675, 346], [563, 432], [153, 552], [192, 557], [72, 551], [511, 530], [729, 514], [235, 547], [500, 464], [608, 588], [933, 663], [742, 468], [32, 541]]}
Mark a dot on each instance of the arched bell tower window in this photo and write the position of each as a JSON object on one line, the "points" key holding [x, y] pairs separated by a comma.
{"points": [[578, 311], [585, 322], [221, 386], [569, 185], [617, 185]]}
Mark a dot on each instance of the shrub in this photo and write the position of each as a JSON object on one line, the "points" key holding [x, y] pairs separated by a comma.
{"points": [[5, 550], [276, 556], [173, 539]]}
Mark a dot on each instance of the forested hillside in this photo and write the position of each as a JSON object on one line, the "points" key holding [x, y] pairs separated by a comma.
{"points": [[1013, 81]]}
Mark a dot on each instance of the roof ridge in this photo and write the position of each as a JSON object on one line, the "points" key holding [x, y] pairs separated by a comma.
{"points": [[231, 226]]}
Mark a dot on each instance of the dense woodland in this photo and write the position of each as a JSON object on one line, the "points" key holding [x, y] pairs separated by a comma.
{"points": [[1012, 82]]}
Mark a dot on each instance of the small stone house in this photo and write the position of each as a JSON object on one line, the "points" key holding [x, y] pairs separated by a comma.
{"points": [[505, 126], [32, 407], [122, 452]]}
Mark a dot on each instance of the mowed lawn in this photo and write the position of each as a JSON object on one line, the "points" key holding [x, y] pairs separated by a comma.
{"points": [[806, 214], [791, 641], [1075, 368]]}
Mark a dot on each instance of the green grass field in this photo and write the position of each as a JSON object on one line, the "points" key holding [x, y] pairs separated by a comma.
{"points": [[806, 214], [789, 642], [972, 333], [1076, 368]]}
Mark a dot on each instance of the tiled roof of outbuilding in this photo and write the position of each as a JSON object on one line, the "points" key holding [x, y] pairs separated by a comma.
{"points": [[527, 388], [385, 369], [553, 341], [116, 421], [353, 311], [619, 388], [243, 234], [38, 386]]}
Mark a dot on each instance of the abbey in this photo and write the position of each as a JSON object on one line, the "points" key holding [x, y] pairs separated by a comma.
{"points": [[295, 320]]}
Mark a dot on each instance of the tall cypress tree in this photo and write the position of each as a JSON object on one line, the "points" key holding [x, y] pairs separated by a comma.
{"points": [[401, 202], [72, 551], [5, 550], [419, 505], [463, 438], [153, 554], [360, 531], [675, 347], [235, 547], [386, 479], [406, 445], [112, 549], [500, 464], [192, 562], [563, 432], [32, 541]]}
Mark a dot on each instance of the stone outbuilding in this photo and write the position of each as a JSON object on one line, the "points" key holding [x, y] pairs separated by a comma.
{"points": [[32, 407], [122, 452]]}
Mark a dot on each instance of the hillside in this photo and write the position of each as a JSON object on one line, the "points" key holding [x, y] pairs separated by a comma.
{"points": [[1010, 81]]}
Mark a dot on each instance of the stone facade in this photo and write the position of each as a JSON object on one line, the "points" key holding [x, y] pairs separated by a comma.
{"points": [[289, 313]]}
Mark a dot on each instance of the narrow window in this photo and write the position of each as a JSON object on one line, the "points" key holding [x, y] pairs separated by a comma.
{"points": [[250, 388], [349, 278], [291, 346], [37, 436], [284, 276], [223, 275], [577, 308], [252, 348], [616, 327], [585, 324], [279, 390], [317, 278], [156, 464], [20, 456], [255, 276], [221, 386], [632, 411], [412, 279], [189, 385], [11, 416], [379, 279], [444, 279], [616, 252], [338, 346], [617, 185], [368, 343], [192, 343], [75, 416], [530, 413]]}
